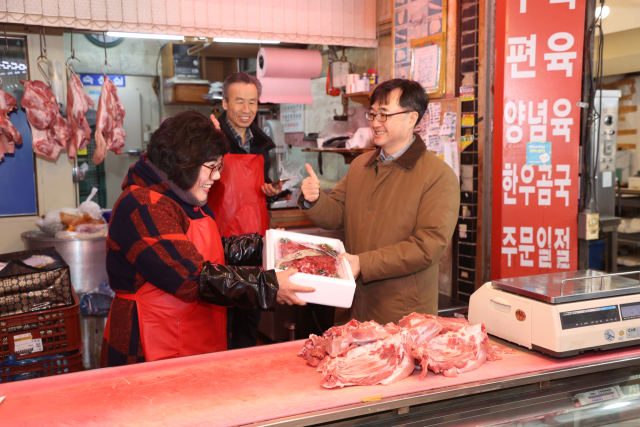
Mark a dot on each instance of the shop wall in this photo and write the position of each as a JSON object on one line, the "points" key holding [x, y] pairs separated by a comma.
{"points": [[629, 116], [134, 57], [55, 188]]}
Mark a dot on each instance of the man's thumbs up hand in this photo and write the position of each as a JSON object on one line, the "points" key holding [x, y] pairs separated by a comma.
{"points": [[310, 186]]}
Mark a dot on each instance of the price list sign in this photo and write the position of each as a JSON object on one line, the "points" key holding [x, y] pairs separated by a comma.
{"points": [[537, 136]]}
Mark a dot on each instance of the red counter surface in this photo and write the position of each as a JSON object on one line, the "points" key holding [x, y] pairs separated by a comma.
{"points": [[228, 388]]}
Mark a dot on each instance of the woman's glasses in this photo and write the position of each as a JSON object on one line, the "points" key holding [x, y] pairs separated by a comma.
{"points": [[214, 168]]}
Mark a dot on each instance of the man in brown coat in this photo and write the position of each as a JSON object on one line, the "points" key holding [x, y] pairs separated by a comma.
{"points": [[399, 207]]}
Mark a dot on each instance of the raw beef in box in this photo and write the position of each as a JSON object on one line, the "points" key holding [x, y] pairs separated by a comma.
{"points": [[318, 265]]}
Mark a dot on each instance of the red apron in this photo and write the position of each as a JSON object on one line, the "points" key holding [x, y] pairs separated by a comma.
{"points": [[170, 327], [238, 203]]}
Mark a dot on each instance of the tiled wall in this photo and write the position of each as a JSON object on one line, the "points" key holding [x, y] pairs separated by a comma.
{"points": [[469, 16]]}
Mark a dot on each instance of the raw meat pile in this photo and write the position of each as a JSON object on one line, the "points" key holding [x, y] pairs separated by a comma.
{"points": [[307, 260], [78, 104], [109, 131], [369, 353], [50, 132], [9, 135]]}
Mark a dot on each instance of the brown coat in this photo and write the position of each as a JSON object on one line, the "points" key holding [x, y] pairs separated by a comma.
{"points": [[398, 217]]}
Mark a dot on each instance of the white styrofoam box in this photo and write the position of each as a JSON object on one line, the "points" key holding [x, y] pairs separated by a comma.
{"points": [[328, 290], [362, 138]]}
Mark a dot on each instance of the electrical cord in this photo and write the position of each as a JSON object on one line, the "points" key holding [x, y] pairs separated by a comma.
{"points": [[589, 158]]}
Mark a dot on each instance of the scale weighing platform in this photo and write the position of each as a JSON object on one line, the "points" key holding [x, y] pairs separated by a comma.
{"points": [[561, 314]]}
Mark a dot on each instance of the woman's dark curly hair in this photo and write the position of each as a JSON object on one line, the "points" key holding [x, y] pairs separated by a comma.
{"points": [[183, 143]]}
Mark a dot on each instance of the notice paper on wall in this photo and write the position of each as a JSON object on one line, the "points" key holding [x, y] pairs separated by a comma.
{"points": [[434, 118], [434, 143], [425, 67], [292, 117], [451, 157], [448, 127]]}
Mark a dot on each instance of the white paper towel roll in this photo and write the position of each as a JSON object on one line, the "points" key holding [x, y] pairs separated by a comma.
{"points": [[285, 74]]}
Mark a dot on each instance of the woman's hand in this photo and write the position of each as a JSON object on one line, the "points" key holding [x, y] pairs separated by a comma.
{"points": [[287, 290]]}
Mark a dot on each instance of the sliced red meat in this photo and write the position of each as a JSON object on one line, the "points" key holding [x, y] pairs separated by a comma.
{"points": [[316, 263], [454, 352], [382, 362]]}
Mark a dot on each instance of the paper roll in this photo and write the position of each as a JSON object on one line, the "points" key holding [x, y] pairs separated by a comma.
{"points": [[285, 74]]}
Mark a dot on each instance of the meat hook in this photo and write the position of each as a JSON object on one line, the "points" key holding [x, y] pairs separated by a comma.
{"points": [[73, 51], [106, 64], [43, 43], [6, 40], [73, 56], [46, 77]]}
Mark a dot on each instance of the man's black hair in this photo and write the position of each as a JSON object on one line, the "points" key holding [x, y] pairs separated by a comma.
{"points": [[412, 97]]}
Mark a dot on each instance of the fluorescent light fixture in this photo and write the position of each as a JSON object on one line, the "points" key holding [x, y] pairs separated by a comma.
{"points": [[145, 36], [228, 40], [605, 11], [615, 405]]}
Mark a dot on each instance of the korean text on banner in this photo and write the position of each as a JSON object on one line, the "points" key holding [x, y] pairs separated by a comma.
{"points": [[538, 83]]}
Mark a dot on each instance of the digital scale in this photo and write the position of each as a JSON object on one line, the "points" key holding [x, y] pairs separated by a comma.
{"points": [[561, 314]]}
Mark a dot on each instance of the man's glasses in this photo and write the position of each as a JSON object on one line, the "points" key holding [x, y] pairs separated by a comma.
{"points": [[382, 117], [214, 168]]}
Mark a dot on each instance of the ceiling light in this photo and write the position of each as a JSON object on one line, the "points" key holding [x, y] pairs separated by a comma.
{"points": [[228, 40], [605, 12], [145, 36]]}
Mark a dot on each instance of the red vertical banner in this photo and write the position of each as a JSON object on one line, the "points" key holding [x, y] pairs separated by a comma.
{"points": [[538, 82]]}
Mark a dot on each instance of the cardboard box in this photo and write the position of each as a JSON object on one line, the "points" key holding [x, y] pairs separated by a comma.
{"points": [[329, 291]]}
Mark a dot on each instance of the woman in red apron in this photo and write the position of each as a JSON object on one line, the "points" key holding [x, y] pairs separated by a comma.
{"points": [[166, 259]]}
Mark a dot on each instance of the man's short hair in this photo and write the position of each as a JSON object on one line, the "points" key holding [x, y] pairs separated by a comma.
{"points": [[240, 78], [412, 95], [183, 143]]}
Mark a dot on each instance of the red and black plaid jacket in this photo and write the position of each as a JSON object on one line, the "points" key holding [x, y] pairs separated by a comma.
{"points": [[142, 247]]}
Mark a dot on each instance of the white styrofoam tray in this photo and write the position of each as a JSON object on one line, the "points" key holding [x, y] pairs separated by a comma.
{"points": [[329, 291]]}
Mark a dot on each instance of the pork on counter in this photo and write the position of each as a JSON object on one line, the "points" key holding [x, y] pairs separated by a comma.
{"points": [[368, 353]]}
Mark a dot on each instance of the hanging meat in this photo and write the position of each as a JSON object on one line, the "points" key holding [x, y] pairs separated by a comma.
{"points": [[78, 104], [9, 135], [50, 132], [109, 131]]}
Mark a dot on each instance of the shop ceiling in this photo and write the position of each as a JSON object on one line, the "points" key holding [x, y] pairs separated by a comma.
{"points": [[621, 35]]}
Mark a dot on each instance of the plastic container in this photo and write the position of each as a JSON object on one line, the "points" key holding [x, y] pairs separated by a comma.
{"points": [[55, 331], [335, 292], [64, 364]]}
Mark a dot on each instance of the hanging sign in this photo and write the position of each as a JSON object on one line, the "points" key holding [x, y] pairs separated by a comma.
{"points": [[538, 83], [98, 79]]}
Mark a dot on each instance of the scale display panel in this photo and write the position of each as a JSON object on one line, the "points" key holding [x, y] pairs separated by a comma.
{"points": [[589, 317], [630, 311]]}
